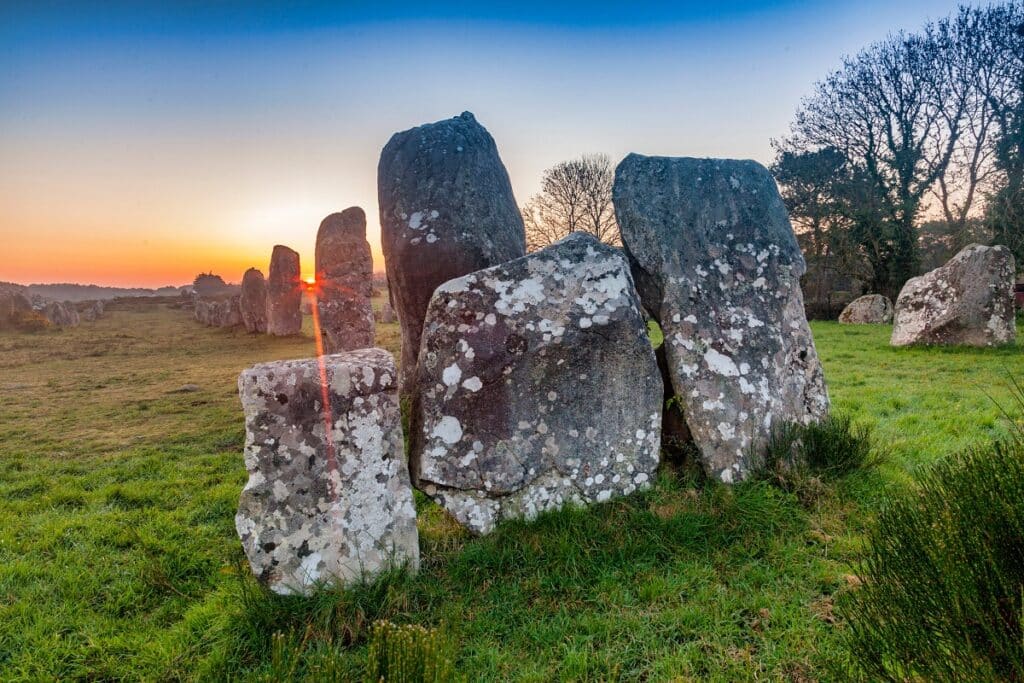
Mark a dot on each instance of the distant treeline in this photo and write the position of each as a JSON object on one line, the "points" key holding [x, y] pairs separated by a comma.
{"points": [[911, 149], [66, 291]]}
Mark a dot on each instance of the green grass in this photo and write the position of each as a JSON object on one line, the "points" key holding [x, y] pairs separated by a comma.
{"points": [[119, 559]]}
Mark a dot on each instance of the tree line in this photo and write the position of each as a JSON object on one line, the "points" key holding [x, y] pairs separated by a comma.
{"points": [[912, 144], [910, 150]]}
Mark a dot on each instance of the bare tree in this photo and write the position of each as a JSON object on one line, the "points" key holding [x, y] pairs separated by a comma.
{"points": [[575, 196], [917, 117], [975, 86]]}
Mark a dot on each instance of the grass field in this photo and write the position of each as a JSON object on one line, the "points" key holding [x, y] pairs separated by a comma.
{"points": [[119, 559]]}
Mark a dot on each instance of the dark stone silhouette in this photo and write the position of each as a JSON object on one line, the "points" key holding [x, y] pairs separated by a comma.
{"points": [[446, 209], [344, 282]]}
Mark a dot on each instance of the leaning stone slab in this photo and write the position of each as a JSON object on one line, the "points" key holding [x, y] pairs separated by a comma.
{"points": [[717, 265], [968, 301], [344, 282], [870, 309], [537, 387], [446, 209], [284, 293], [324, 504]]}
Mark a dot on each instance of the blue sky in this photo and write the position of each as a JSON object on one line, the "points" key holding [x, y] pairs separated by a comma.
{"points": [[197, 135]]}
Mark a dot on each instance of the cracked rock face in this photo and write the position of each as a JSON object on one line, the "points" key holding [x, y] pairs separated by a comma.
{"points": [[324, 506], [537, 387], [870, 309], [253, 301], [967, 301], [344, 278], [717, 265], [446, 209], [284, 293]]}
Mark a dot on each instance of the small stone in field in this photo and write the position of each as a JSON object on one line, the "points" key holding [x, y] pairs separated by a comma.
{"points": [[968, 301]]}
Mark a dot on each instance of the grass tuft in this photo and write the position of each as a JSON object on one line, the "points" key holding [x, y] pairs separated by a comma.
{"points": [[804, 459], [943, 581]]}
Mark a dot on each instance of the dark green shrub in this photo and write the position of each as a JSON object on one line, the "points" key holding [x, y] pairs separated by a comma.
{"points": [[944, 576], [409, 654], [800, 458]]}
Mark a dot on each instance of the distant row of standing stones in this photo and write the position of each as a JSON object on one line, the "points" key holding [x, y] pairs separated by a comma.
{"points": [[19, 310], [341, 292], [529, 379]]}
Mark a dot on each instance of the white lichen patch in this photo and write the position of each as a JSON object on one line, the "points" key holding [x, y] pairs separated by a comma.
{"points": [[322, 507], [552, 331]]}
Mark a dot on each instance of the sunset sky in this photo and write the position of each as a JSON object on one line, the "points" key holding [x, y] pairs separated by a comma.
{"points": [[139, 146]]}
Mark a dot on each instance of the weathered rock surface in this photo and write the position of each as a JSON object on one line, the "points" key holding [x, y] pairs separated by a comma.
{"points": [[14, 300], [284, 293], [204, 310], [537, 387], [253, 301], [62, 314], [225, 311], [446, 209], [16, 308], [716, 263], [344, 280], [324, 505], [967, 301], [870, 309], [230, 312], [92, 311]]}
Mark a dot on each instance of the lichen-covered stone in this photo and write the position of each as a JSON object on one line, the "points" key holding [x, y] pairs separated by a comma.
{"points": [[284, 293], [968, 301], [537, 387], [91, 311], [15, 306], [253, 301], [62, 314], [870, 309], [446, 209], [324, 504], [344, 282], [717, 265], [222, 311]]}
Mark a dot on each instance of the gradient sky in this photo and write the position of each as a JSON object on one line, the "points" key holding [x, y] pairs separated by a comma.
{"points": [[143, 142]]}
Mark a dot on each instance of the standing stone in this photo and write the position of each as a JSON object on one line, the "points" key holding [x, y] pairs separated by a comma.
{"points": [[446, 209], [967, 301], [229, 311], [13, 301], [62, 314], [537, 387], [344, 279], [324, 507], [387, 314], [254, 301], [284, 293], [717, 265], [204, 310], [870, 309], [92, 310]]}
